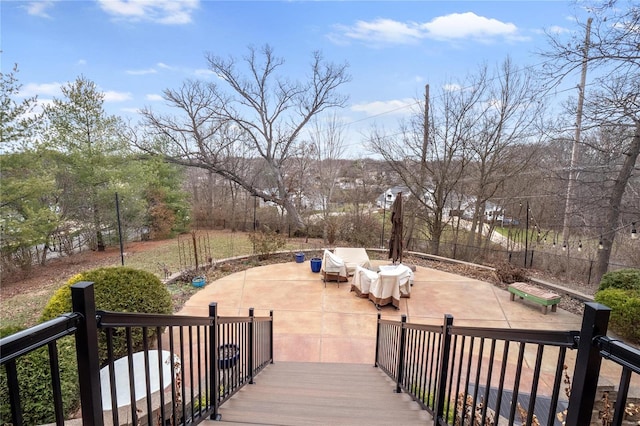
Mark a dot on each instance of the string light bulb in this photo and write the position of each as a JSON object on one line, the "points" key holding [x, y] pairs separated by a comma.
{"points": [[600, 243], [579, 245], [564, 246], [634, 231]]}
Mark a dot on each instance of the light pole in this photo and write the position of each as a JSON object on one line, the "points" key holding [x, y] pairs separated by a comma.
{"points": [[384, 213], [526, 237]]}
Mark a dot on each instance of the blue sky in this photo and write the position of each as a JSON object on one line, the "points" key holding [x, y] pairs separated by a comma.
{"points": [[133, 50]]}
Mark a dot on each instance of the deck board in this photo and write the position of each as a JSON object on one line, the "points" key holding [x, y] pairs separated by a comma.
{"points": [[300, 393]]}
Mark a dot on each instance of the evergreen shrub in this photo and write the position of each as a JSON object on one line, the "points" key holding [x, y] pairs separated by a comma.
{"points": [[624, 279], [117, 289], [625, 312], [34, 378]]}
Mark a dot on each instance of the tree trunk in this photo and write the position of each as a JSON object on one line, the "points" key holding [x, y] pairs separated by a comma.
{"points": [[613, 210]]}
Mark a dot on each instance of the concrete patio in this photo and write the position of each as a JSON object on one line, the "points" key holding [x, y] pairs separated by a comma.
{"points": [[314, 323]]}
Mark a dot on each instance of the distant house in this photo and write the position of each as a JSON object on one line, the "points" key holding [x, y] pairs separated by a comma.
{"points": [[388, 197]]}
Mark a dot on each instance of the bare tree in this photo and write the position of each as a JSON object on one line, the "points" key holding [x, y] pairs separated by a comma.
{"points": [[612, 103], [431, 171], [507, 116], [327, 139], [254, 107]]}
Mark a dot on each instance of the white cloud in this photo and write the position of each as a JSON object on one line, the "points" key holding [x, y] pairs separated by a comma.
{"points": [[142, 72], [452, 87], [39, 8], [81, 62], [556, 29], [167, 12], [468, 25], [452, 27], [163, 65], [112, 96], [395, 106], [154, 97], [204, 72], [383, 31], [42, 89]]}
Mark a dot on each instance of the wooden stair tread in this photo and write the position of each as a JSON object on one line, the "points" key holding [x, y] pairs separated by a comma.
{"points": [[300, 393]]}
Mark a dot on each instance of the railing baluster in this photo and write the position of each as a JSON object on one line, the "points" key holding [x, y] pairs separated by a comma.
{"points": [[534, 385], [503, 370], [160, 374], [452, 367], [623, 391], [183, 390], [455, 407], [112, 376], [250, 338], [401, 345], [476, 386], [174, 376], [487, 386], [55, 383], [516, 384], [466, 383], [557, 382], [443, 371], [14, 393], [147, 372], [214, 354], [132, 389]]}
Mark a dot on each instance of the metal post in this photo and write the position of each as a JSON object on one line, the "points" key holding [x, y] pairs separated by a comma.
{"points": [[443, 371], [526, 237], [375, 363], [214, 355], [271, 337], [251, 340], [587, 368], [83, 302], [402, 343], [119, 230]]}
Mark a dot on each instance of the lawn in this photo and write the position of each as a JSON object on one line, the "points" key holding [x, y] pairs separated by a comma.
{"points": [[23, 301]]}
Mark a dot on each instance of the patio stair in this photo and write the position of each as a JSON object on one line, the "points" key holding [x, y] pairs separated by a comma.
{"points": [[298, 393]]}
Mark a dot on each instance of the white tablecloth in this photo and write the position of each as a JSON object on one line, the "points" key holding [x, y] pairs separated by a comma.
{"points": [[394, 281]]}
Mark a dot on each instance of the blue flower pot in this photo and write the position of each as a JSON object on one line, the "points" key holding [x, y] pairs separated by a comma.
{"points": [[199, 281], [316, 264], [299, 257]]}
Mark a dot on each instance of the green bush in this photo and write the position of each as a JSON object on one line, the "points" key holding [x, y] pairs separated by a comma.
{"points": [[624, 279], [117, 289], [625, 311], [34, 378]]}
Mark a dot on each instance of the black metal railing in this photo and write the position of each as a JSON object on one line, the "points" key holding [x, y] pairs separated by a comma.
{"points": [[184, 370], [474, 376]]}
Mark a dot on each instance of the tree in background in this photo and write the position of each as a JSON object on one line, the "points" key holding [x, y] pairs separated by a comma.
{"points": [[92, 156], [27, 188], [327, 141], [612, 106], [255, 108]]}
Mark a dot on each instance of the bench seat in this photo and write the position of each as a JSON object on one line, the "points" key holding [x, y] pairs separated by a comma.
{"points": [[545, 298]]}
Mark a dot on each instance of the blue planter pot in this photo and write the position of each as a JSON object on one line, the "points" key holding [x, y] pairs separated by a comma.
{"points": [[299, 257], [316, 264], [199, 281]]}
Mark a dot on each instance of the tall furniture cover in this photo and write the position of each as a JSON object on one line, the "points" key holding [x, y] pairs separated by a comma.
{"points": [[333, 268]]}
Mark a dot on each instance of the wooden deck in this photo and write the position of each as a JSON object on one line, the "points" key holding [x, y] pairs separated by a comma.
{"points": [[296, 393]]}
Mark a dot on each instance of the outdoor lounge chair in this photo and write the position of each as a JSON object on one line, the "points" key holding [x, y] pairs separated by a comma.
{"points": [[353, 257], [333, 268]]}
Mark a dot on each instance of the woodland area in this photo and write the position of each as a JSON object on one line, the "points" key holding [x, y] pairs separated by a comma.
{"points": [[258, 149]]}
